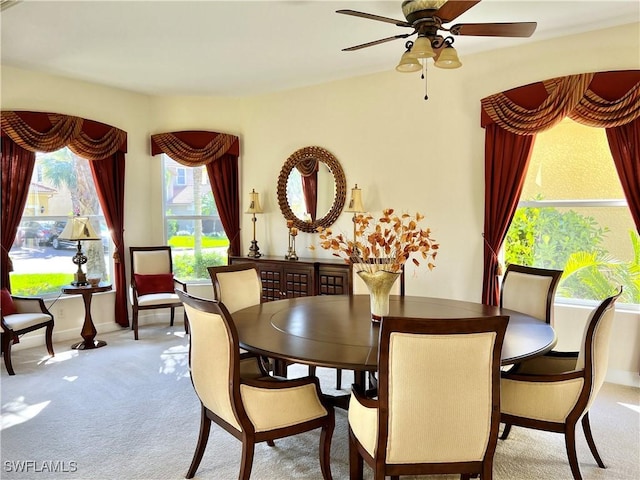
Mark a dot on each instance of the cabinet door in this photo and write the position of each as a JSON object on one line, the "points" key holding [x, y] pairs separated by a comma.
{"points": [[272, 276], [334, 280], [299, 281]]}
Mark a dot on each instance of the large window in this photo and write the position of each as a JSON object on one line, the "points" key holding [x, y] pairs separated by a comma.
{"points": [[192, 223], [573, 216], [61, 186]]}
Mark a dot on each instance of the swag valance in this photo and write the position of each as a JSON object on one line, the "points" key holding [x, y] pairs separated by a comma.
{"points": [[511, 119], [219, 152], [48, 132], [195, 148]]}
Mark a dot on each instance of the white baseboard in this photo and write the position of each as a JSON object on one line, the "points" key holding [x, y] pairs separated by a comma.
{"points": [[621, 377]]}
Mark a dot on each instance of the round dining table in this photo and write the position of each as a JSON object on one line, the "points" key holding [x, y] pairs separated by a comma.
{"points": [[336, 330]]}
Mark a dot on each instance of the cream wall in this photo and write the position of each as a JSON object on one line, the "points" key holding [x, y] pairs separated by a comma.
{"points": [[402, 151]]}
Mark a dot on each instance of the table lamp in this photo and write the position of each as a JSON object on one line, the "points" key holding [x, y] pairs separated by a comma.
{"points": [[79, 228], [254, 207], [355, 206]]}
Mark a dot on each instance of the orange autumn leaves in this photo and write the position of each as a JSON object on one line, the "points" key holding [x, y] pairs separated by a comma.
{"points": [[385, 245]]}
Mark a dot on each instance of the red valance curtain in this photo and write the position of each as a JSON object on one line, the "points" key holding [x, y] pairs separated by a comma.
{"points": [[608, 100], [219, 152], [23, 134]]}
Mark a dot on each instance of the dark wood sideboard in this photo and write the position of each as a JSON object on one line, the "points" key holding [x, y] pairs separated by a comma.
{"points": [[300, 278]]}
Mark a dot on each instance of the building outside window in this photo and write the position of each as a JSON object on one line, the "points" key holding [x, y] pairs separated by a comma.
{"points": [[573, 216], [192, 223], [61, 186]]}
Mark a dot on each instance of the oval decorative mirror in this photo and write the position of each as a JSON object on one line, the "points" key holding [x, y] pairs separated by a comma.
{"points": [[311, 189]]}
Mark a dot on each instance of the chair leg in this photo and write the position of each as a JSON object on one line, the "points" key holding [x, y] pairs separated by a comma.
{"points": [[338, 379], [7, 341], [248, 446], [505, 431], [134, 324], [312, 370], [203, 438], [570, 443], [49, 339], [586, 427], [325, 445], [173, 315], [356, 469]]}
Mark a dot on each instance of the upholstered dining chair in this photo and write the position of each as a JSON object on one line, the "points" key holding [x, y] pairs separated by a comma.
{"points": [[21, 315], [253, 408], [555, 391], [238, 286], [530, 290], [438, 403], [153, 284]]}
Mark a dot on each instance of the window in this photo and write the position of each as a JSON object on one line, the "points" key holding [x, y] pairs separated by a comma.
{"points": [[61, 185], [192, 223], [573, 216]]}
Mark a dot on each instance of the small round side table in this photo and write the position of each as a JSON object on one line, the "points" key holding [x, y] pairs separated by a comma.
{"points": [[88, 328]]}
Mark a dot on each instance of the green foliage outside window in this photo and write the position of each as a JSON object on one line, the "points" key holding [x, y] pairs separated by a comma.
{"points": [[549, 238]]}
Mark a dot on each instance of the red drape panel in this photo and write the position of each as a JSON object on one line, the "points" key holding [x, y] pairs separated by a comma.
{"points": [[17, 165], [608, 100], [94, 141], [507, 157], [108, 175], [196, 148], [310, 192], [624, 142], [223, 176]]}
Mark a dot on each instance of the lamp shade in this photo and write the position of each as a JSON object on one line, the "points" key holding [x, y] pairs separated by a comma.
{"points": [[448, 59], [408, 63], [254, 202], [79, 228], [422, 48], [355, 204]]}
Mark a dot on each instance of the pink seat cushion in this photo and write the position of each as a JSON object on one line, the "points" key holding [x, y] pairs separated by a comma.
{"points": [[8, 307], [159, 283]]}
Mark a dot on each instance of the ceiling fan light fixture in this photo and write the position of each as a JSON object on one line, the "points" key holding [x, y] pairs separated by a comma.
{"points": [[422, 48], [448, 58], [408, 64]]}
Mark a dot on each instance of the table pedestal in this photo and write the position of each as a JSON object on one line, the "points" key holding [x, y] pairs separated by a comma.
{"points": [[88, 328]]}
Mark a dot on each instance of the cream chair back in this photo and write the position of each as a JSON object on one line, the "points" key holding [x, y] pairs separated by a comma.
{"points": [[151, 262], [530, 290], [236, 286], [210, 360]]}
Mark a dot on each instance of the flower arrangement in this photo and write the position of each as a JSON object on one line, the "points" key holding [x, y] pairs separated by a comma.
{"points": [[385, 245]]}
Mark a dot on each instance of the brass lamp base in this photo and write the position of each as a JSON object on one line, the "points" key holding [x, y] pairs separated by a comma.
{"points": [[79, 279]]}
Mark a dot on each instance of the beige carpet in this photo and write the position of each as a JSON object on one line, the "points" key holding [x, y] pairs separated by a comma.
{"points": [[128, 411]]}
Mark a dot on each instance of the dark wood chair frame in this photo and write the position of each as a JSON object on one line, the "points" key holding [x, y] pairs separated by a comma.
{"points": [[568, 428], [135, 307], [248, 436], [357, 453], [10, 336]]}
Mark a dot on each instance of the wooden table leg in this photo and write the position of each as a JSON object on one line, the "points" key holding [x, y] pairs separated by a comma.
{"points": [[88, 328]]}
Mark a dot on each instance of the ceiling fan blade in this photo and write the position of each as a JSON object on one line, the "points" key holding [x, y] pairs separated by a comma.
{"points": [[453, 9], [370, 16], [377, 42], [521, 29]]}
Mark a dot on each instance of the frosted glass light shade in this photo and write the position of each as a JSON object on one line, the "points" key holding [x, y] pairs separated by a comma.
{"points": [[422, 48], [408, 63], [448, 59]]}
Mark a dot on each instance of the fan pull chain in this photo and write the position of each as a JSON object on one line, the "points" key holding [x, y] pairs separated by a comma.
{"points": [[424, 77]]}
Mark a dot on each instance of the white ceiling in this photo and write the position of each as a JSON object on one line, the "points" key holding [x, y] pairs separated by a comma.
{"points": [[238, 48]]}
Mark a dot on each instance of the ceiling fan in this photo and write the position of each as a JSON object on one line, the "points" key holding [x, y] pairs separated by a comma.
{"points": [[427, 18]]}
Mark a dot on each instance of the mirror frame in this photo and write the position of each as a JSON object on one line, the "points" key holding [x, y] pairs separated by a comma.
{"points": [[332, 163]]}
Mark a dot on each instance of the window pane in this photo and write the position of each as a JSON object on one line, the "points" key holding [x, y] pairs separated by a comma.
{"points": [[595, 242], [42, 263], [192, 223]]}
